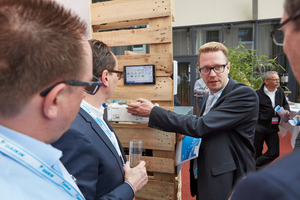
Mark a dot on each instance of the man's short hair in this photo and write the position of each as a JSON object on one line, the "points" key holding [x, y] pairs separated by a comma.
{"points": [[103, 58], [41, 43], [211, 47], [291, 7], [267, 75]]}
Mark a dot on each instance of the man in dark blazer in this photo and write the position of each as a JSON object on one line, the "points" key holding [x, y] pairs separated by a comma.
{"points": [[270, 95], [92, 151], [226, 125], [281, 179]]}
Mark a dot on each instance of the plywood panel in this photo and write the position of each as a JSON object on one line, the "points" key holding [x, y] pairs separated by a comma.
{"points": [[116, 11], [157, 190], [135, 36], [161, 91], [152, 138], [163, 62]]}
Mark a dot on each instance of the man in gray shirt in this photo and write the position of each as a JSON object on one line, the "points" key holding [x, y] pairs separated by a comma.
{"points": [[200, 89]]}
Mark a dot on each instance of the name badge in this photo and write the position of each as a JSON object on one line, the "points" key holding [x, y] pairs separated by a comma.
{"points": [[275, 120]]}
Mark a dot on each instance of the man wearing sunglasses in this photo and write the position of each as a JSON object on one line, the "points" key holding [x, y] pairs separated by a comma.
{"points": [[92, 151], [226, 124], [281, 179], [45, 64]]}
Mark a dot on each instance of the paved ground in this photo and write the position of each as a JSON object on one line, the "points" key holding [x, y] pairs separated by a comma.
{"points": [[285, 148]]}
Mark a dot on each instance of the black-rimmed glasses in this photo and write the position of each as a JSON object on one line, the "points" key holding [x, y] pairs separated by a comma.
{"points": [[277, 33], [91, 87], [217, 69], [119, 73]]}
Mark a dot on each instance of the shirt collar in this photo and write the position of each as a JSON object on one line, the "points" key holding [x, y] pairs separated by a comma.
{"points": [[268, 92], [43, 151], [98, 111]]}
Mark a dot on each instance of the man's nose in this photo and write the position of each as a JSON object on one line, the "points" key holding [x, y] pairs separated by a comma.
{"points": [[212, 72]]}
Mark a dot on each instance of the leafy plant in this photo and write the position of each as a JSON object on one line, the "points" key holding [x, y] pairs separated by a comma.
{"points": [[247, 66]]}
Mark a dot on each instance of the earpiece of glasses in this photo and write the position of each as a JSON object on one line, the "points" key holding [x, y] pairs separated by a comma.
{"points": [[91, 87]]}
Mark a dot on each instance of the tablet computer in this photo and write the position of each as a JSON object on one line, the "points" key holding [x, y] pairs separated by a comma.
{"points": [[139, 75]]}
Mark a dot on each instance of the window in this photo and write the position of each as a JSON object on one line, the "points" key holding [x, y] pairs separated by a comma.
{"points": [[245, 35], [212, 36]]}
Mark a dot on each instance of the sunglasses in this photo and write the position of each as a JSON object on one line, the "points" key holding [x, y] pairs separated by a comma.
{"points": [[91, 87]]}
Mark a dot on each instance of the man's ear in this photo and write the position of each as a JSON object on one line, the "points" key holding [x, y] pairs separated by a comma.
{"points": [[52, 101], [104, 78], [228, 66]]}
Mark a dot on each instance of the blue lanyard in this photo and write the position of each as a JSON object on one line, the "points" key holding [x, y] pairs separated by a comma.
{"points": [[33, 163], [103, 126], [217, 97]]}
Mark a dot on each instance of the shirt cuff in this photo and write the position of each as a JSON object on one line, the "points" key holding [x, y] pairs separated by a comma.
{"points": [[133, 191]]}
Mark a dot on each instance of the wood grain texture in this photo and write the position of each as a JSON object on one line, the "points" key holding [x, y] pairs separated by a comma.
{"points": [[156, 35], [117, 11]]}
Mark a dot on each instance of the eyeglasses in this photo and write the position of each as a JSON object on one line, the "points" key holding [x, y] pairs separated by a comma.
{"points": [[91, 87], [273, 79], [119, 73], [277, 33], [217, 69]]}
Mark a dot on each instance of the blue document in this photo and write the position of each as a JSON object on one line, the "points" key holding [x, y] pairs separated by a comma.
{"points": [[187, 149]]}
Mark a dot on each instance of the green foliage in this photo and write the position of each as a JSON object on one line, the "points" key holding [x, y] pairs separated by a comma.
{"points": [[247, 67]]}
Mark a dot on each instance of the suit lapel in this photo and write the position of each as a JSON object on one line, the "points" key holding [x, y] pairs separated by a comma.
{"points": [[204, 99], [102, 136]]}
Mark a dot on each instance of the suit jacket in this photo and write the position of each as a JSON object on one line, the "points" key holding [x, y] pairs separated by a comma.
{"points": [[266, 110], [227, 133], [280, 180], [89, 155]]}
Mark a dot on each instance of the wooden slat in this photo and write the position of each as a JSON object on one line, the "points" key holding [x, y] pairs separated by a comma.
{"points": [[152, 138], [116, 25], [163, 62], [135, 36], [117, 11], [157, 190], [162, 165], [163, 90]]}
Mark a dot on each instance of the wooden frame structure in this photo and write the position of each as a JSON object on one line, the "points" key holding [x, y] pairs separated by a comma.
{"points": [[109, 21]]}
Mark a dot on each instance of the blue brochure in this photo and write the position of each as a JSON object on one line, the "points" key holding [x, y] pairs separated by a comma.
{"points": [[187, 149]]}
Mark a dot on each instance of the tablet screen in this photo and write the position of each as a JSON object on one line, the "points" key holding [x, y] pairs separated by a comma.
{"points": [[139, 74]]}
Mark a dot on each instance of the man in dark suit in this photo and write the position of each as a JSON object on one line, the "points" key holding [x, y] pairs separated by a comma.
{"points": [[226, 125], [280, 180], [92, 151], [270, 95]]}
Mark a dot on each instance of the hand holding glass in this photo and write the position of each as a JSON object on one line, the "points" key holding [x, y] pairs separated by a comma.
{"points": [[135, 152]]}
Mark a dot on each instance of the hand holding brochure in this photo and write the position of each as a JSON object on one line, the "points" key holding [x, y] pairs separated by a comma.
{"points": [[187, 149], [280, 111]]}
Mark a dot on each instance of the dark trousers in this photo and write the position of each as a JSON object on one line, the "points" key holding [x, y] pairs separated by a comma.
{"points": [[270, 136]]}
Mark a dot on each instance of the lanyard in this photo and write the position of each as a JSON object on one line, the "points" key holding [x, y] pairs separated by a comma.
{"points": [[217, 97], [33, 163], [103, 126]]}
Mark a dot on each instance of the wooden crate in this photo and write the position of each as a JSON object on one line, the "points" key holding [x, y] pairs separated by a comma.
{"points": [[110, 21]]}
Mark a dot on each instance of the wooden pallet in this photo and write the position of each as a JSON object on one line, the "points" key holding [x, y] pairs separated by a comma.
{"points": [[112, 16]]}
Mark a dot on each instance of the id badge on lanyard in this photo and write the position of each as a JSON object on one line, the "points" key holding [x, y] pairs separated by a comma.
{"points": [[275, 120]]}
